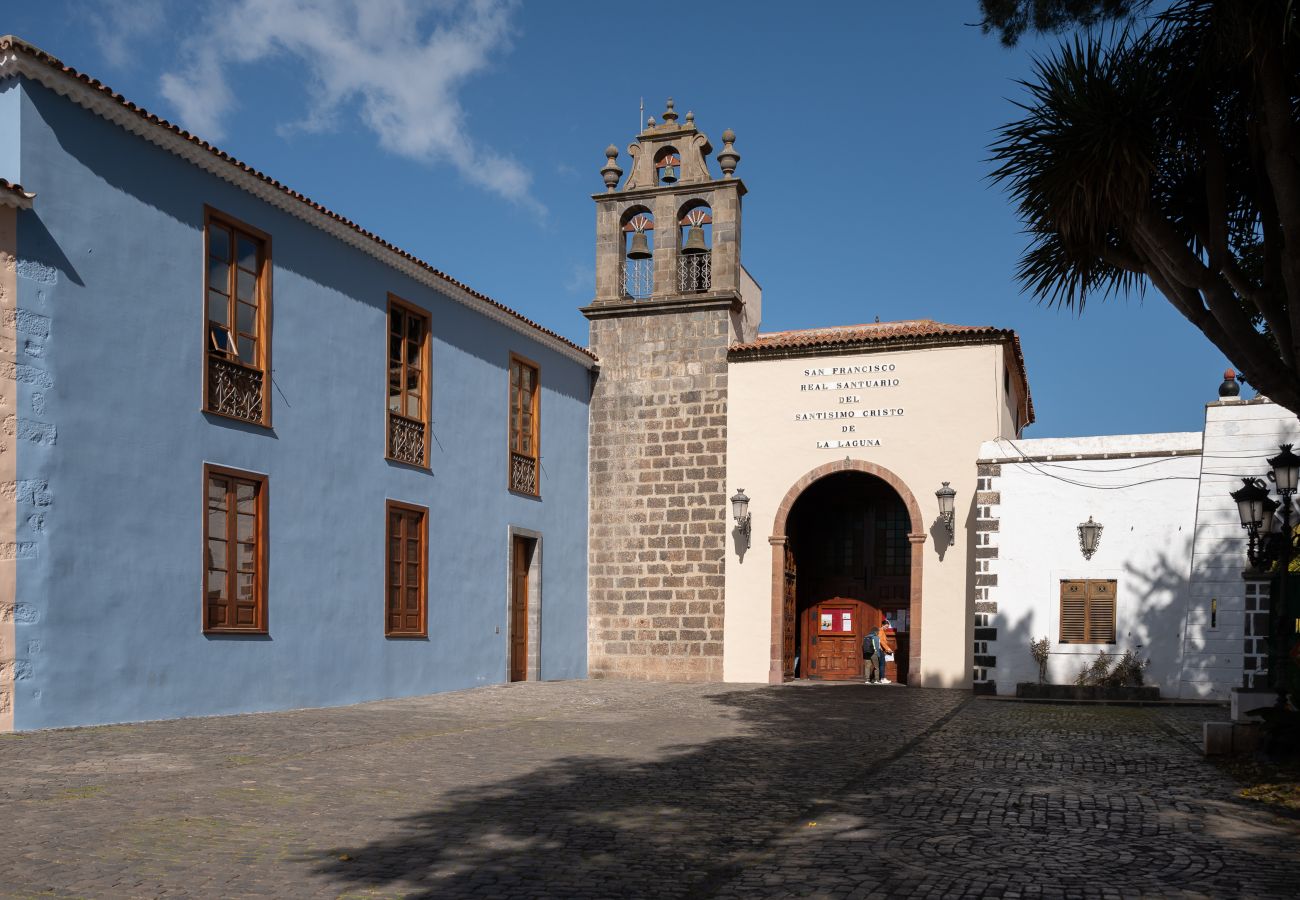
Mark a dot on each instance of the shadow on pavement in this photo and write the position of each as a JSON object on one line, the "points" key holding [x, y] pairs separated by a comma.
{"points": [[679, 824]]}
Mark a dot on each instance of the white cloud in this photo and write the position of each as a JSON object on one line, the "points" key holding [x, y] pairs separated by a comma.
{"points": [[397, 64], [120, 24], [581, 279]]}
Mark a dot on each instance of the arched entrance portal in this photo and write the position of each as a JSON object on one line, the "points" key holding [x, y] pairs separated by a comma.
{"points": [[847, 551]]}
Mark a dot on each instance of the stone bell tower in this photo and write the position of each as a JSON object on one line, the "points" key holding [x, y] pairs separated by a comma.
{"points": [[671, 297]]}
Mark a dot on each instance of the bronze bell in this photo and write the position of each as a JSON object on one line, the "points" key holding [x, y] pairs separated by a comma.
{"points": [[695, 241], [668, 175], [640, 248]]}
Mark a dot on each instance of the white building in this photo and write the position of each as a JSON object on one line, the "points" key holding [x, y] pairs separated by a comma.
{"points": [[1165, 580]]}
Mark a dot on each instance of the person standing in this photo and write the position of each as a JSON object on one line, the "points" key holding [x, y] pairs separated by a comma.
{"points": [[871, 656], [884, 641]]}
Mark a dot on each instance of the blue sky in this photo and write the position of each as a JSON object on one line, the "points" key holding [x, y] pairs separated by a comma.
{"points": [[472, 134]]}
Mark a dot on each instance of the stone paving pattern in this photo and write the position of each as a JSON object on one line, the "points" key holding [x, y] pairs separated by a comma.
{"points": [[625, 789]]}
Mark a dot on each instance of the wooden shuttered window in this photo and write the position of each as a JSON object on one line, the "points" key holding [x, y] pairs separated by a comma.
{"points": [[408, 383], [406, 608], [525, 428], [1088, 612], [237, 298], [234, 554]]}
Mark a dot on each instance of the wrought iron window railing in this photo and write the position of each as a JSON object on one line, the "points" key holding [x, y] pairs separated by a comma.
{"points": [[235, 389], [638, 278], [523, 473], [405, 439], [694, 272]]}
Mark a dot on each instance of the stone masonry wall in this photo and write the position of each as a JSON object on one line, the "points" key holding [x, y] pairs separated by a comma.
{"points": [[659, 513]]}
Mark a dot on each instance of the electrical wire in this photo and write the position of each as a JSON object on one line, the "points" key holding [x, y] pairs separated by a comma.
{"points": [[1099, 487]]}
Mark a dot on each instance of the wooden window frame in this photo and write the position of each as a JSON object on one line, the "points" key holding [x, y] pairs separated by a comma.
{"points": [[426, 377], [1089, 624], [536, 430], [215, 216], [423, 511], [262, 626]]}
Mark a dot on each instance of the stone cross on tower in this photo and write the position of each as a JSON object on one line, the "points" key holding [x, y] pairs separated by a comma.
{"points": [[671, 298]]}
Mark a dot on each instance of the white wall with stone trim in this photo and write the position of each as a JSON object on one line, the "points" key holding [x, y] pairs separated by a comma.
{"points": [[1240, 436], [1143, 490]]}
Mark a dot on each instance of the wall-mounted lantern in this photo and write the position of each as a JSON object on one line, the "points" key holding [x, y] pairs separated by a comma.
{"points": [[947, 509], [1089, 537], [740, 512]]}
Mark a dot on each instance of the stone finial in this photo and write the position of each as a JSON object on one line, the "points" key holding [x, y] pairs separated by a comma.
{"points": [[728, 158], [670, 114], [1229, 390], [690, 118], [611, 173], [650, 122]]}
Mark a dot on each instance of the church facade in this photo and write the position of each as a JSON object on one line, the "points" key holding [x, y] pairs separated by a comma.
{"points": [[829, 436]]}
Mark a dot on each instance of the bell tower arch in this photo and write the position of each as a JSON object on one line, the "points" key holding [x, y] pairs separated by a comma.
{"points": [[671, 297], [669, 176]]}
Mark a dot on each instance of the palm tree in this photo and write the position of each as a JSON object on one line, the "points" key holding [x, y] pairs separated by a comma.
{"points": [[1169, 156]]}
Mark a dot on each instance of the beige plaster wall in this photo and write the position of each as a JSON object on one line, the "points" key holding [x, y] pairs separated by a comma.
{"points": [[951, 399], [8, 511]]}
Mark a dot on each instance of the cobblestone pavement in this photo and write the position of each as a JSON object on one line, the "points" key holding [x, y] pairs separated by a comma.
{"points": [[609, 789]]}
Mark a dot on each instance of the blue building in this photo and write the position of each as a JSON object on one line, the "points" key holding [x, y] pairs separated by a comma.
{"points": [[254, 456]]}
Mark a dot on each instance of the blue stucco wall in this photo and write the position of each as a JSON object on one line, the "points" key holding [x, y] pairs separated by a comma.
{"points": [[114, 445], [10, 106]]}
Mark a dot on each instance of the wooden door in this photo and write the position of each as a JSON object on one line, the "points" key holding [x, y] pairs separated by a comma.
{"points": [[519, 609], [834, 629], [788, 615]]}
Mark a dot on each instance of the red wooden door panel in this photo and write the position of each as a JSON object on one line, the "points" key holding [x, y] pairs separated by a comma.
{"points": [[835, 639]]}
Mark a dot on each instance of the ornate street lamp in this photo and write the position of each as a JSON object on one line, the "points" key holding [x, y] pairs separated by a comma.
{"points": [[1286, 470], [1251, 498], [1271, 549], [740, 512], [947, 496], [1089, 537]]}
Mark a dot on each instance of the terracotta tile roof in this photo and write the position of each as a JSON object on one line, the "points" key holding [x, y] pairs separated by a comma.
{"points": [[855, 334], [877, 336], [13, 195], [10, 44]]}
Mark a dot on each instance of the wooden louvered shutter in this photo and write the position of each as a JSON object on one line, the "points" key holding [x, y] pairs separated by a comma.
{"points": [[1101, 612], [1074, 612], [1088, 612]]}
